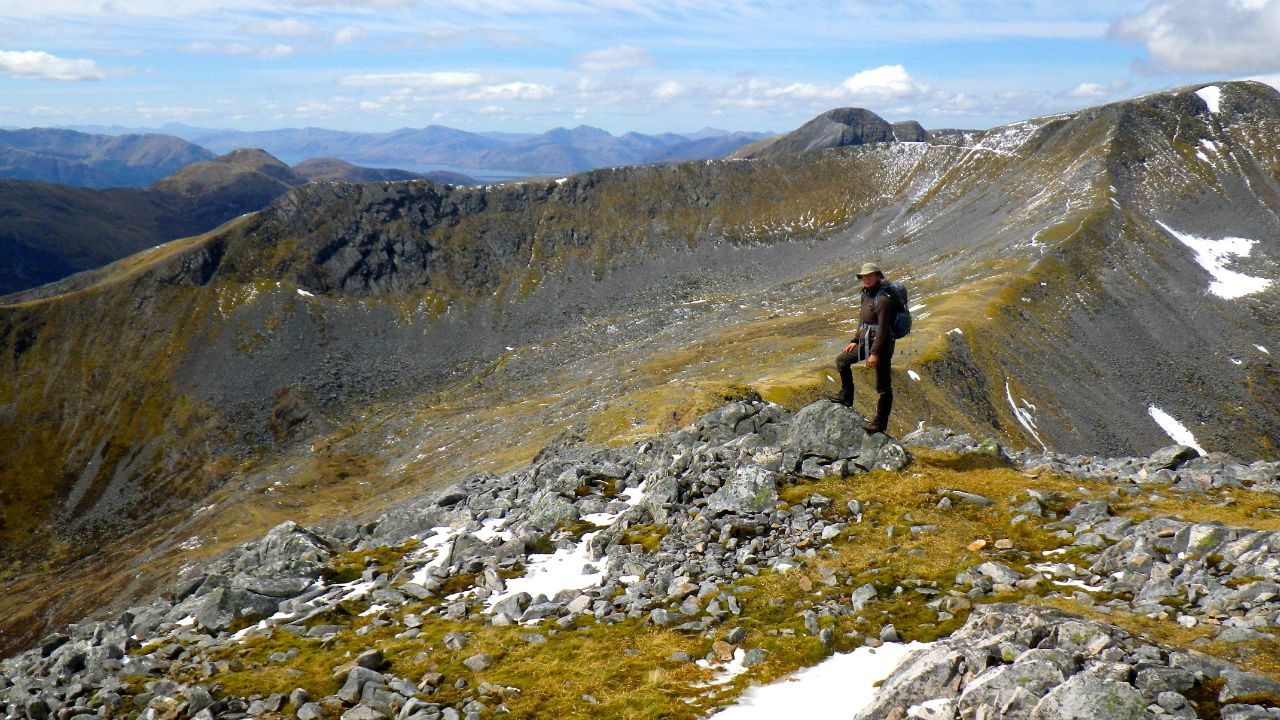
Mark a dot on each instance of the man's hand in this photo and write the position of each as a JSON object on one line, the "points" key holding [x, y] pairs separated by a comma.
{"points": [[873, 361], [851, 347]]}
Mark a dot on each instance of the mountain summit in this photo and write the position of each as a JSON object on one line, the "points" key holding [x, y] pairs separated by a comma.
{"points": [[832, 129]]}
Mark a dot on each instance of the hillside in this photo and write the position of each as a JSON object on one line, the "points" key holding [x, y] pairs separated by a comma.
{"points": [[48, 232], [351, 345], [77, 159], [698, 570], [334, 169]]}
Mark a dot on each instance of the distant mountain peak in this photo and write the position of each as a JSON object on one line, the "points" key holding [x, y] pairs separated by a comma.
{"points": [[834, 128]]}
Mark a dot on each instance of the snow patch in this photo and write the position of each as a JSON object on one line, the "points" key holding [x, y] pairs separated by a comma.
{"points": [[1023, 414], [839, 687], [1263, 349], [1174, 429], [304, 293], [1212, 96], [913, 375], [955, 331], [1212, 255], [725, 673], [565, 569]]}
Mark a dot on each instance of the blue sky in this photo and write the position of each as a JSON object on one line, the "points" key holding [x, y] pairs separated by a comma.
{"points": [[643, 65]]}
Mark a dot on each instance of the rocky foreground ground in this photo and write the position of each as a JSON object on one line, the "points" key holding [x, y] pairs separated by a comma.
{"points": [[659, 579]]}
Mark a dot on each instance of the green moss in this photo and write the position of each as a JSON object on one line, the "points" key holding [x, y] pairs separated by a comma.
{"points": [[647, 536]]}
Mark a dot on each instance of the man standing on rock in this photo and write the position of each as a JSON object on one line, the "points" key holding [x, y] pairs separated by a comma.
{"points": [[874, 343]]}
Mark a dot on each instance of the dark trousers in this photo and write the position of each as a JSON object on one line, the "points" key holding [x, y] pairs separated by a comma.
{"points": [[884, 380]]}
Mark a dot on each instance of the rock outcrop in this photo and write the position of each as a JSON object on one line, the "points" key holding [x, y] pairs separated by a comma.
{"points": [[1011, 661]]}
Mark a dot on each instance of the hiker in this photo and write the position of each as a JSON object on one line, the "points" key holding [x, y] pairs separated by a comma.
{"points": [[874, 343]]}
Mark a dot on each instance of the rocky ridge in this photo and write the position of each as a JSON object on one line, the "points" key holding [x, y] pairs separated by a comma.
{"points": [[671, 533]]}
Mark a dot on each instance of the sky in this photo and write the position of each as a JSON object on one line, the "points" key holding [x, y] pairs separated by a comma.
{"points": [[623, 65]]}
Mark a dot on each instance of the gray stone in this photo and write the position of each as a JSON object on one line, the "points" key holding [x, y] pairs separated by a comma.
{"points": [[1014, 689], [824, 430], [1087, 696], [371, 659], [1249, 689], [551, 511], [862, 596], [1171, 457], [999, 573], [513, 606], [363, 712], [753, 657], [751, 489], [198, 698], [353, 688], [478, 662]]}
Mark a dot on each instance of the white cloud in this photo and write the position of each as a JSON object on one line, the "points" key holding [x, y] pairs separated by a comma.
{"points": [[1088, 91], [278, 28], [266, 52], [1231, 36], [491, 110], [888, 82], [510, 91], [40, 65], [425, 80], [348, 35], [273, 52], [670, 90], [618, 57], [874, 88]]}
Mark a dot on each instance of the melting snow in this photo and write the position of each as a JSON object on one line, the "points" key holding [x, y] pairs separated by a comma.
{"points": [[1212, 254], [304, 293], [839, 687], [565, 569], [1263, 349], [1173, 428], [727, 672], [433, 549], [913, 375], [492, 528], [1023, 414], [1212, 96], [955, 331]]}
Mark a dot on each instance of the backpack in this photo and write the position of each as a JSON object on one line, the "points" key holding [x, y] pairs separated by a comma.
{"points": [[902, 314]]}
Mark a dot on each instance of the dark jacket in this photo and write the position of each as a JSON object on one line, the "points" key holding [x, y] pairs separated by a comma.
{"points": [[877, 322]]}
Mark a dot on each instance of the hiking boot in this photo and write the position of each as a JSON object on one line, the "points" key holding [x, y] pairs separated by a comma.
{"points": [[875, 426], [839, 400]]}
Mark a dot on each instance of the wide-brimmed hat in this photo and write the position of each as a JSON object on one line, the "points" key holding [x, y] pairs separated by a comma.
{"points": [[868, 268]]}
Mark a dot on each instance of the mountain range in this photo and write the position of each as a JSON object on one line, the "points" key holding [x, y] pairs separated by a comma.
{"points": [[486, 156], [1078, 281], [67, 157]]}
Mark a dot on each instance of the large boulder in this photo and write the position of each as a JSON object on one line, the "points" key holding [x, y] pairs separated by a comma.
{"points": [[751, 489], [829, 435], [289, 550]]}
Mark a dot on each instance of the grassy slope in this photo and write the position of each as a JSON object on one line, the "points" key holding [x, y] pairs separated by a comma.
{"points": [[908, 570]]}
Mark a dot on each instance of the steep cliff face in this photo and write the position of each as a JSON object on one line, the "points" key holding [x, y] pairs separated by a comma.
{"points": [[350, 341]]}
